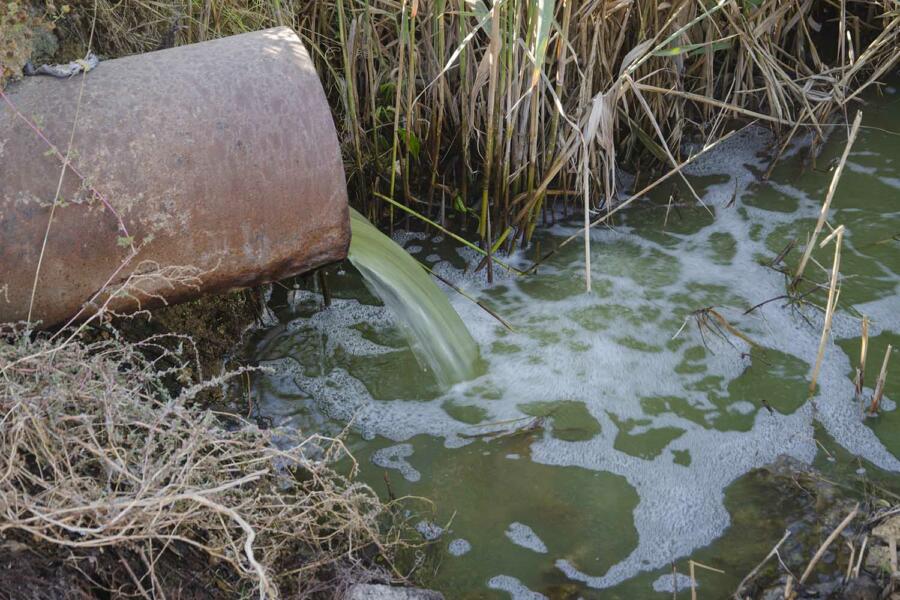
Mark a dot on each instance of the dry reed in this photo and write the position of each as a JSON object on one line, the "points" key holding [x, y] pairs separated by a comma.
{"points": [[526, 104]]}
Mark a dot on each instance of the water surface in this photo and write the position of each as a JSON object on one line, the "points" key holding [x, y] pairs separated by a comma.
{"points": [[611, 433]]}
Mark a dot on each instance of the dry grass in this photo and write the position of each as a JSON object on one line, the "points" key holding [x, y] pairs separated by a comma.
{"points": [[492, 111], [97, 453]]}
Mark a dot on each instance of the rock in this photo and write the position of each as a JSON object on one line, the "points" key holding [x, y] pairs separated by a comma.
{"points": [[371, 591], [889, 531], [861, 588], [889, 528], [775, 593], [878, 559]]}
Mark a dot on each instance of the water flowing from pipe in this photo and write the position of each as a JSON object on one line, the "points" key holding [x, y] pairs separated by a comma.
{"points": [[437, 335]]}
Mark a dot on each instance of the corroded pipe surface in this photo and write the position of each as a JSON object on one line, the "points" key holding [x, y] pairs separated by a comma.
{"points": [[201, 168]]}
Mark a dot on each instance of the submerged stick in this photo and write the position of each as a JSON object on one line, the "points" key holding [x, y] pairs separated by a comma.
{"points": [[468, 297]]}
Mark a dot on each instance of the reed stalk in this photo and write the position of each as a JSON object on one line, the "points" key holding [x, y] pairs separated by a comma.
{"points": [[879, 385], [498, 94], [823, 213], [833, 292], [859, 382]]}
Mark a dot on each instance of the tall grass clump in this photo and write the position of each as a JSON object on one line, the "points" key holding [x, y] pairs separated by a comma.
{"points": [[497, 112]]}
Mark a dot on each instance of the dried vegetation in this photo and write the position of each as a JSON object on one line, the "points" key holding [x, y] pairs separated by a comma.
{"points": [[104, 466], [495, 112]]}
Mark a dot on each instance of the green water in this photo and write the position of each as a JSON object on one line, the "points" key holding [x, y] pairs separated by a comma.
{"points": [[612, 434]]}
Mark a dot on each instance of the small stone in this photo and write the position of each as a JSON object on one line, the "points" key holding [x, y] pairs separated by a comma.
{"points": [[861, 588], [889, 528], [878, 559]]}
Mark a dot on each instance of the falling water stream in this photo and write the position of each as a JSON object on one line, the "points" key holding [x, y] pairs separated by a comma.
{"points": [[437, 335], [610, 435]]}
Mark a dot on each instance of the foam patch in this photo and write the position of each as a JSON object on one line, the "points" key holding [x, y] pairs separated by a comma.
{"points": [[637, 339], [524, 536]]}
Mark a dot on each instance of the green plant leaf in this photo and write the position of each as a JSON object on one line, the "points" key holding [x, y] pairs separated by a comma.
{"points": [[412, 142], [646, 139], [692, 49], [545, 9]]}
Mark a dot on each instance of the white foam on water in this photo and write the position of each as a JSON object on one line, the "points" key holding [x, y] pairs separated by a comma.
{"points": [[458, 547], [338, 331], [515, 588], [430, 531], [673, 583], [524, 536], [612, 348], [404, 237], [884, 312], [394, 457], [894, 182]]}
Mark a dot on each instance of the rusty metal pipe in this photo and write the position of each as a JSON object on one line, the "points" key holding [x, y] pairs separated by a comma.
{"points": [[201, 168]]}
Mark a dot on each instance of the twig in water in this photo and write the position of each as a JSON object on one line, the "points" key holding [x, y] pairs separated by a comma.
{"points": [[468, 297], [718, 325], [859, 559], [734, 196], [764, 302], [783, 254]]}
